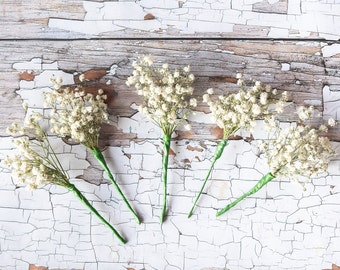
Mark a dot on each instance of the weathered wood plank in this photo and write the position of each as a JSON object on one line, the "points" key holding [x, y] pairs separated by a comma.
{"points": [[171, 18], [298, 68]]}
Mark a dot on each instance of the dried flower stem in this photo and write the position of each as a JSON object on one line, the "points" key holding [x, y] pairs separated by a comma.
{"points": [[37, 163], [167, 99], [99, 156], [80, 196], [218, 153], [260, 184], [166, 148]]}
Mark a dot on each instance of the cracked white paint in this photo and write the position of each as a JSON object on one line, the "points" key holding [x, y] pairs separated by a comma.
{"points": [[280, 227], [299, 18], [331, 102], [331, 50]]}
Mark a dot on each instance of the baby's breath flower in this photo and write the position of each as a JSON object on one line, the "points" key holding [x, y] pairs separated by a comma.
{"points": [[37, 164], [323, 128], [210, 91], [295, 152], [331, 122], [238, 110], [80, 115], [82, 77], [305, 113], [186, 69], [76, 113], [25, 106], [167, 101], [166, 94], [242, 109], [299, 149], [193, 102]]}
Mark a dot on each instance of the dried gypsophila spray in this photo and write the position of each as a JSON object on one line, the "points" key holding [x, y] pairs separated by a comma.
{"points": [[80, 115], [298, 150], [240, 110], [167, 101], [37, 164]]}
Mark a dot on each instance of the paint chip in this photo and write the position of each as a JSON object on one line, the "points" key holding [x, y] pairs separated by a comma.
{"points": [[149, 16]]}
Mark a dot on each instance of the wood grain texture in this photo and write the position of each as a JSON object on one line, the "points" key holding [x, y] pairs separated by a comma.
{"points": [[293, 45], [107, 63], [61, 19]]}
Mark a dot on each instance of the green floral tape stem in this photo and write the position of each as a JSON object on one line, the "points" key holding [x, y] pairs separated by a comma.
{"points": [[166, 148], [99, 156], [80, 196], [218, 154], [260, 184]]}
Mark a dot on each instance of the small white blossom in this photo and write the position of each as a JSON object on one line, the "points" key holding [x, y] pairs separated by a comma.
{"points": [[82, 77], [186, 69], [298, 150], [193, 102], [210, 91], [323, 128], [166, 94], [36, 163], [187, 127], [77, 114], [305, 113], [191, 77], [242, 109], [331, 122]]}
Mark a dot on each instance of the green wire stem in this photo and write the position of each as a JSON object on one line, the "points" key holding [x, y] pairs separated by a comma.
{"points": [[218, 153], [166, 148], [81, 197], [263, 181], [99, 156]]}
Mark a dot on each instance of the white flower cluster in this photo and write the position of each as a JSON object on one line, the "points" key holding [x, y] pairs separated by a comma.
{"points": [[35, 164], [31, 127], [77, 114], [299, 150], [242, 109], [166, 94]]}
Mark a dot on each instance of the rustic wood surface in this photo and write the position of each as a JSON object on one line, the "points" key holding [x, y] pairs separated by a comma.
{"points": [[62, 19], [213, 62], [293, 45]]}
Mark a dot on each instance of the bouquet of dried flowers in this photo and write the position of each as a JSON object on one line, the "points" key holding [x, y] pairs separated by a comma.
{"points": [[295, 152], [37, 164], [167, 101], [240, 110], [80, 115]]}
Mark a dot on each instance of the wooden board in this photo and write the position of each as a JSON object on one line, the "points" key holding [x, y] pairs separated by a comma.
{"points": [[75, 19], [292, 66]]}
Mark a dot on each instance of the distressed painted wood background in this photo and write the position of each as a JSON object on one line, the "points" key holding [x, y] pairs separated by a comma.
{"points": [[292, 45]]}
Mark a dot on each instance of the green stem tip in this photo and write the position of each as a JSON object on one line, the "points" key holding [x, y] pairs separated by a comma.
{"points": [[166, 149], [81, 197], [260, 184], [99, 156], [218, 153]]}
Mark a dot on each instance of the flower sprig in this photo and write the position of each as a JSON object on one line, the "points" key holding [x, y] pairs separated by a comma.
{"points": [[167, 99], [37, 164], [297, 152], [241, 110], [80, 115], [299, 149], [166, 93], [77, 114]]}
